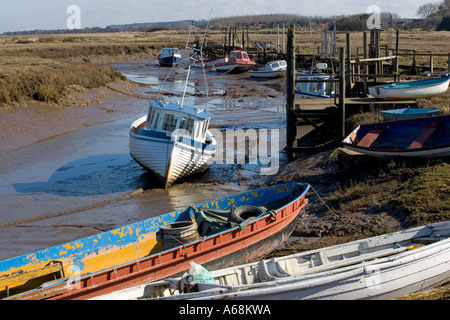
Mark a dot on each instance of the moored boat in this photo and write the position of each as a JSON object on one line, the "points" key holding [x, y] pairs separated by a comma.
{"points": [[410, 89], [271, 69], [421, 137], [169, 57], [234, 229], [238, 61], [317, 86], [407, 113], [172, 141], [380, 267]]}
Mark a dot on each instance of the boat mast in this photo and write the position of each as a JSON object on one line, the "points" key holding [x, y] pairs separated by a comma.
{"points": [[201, 59], [189, 68]]}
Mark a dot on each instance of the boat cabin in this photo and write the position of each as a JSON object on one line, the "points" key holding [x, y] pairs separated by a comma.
{"points": [[170, 51], [167, 117], [238, 56], [276, 65]]}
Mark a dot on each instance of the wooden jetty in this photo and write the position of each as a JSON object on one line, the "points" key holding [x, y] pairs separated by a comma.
{"points": [[328, 116]]}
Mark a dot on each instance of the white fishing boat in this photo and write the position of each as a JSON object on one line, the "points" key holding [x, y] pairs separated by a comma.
{"points": [[380, 267], [271, 69], [172, 141], [313, 86], [410, 89]]}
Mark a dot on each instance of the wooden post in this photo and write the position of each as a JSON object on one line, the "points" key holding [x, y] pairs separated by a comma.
{"points": [[397, 77], [448, 63], [365, 68], [348, 80], [341, 111], [431, 62], [291, 127]]}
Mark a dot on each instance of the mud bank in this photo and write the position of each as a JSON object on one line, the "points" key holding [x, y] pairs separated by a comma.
{"points": [[49, 216]]}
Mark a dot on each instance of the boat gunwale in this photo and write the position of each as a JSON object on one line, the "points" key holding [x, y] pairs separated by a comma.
{"points": [[156, 259], [425, 120]]}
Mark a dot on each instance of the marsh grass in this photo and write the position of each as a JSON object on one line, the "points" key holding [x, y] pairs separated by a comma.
{"points": [[418, 193], [47, 81]]}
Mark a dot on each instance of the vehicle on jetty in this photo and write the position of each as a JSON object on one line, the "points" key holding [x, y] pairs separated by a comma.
{"points": [[231, 230]]}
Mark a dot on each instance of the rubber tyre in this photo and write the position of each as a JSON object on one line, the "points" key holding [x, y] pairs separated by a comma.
{"points": [[242, 213]]}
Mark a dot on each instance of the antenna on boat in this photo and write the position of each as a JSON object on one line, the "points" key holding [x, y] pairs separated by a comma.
{"points": [[189, 68], [201, 59]]}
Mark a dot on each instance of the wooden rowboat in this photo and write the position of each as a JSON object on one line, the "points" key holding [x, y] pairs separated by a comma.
{"points": [[422, 137], [380, 267], [410, 89], [137, 254]]}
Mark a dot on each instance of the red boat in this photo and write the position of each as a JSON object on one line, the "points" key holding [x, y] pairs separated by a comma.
{"points": [[238, 61], [232, 230]]}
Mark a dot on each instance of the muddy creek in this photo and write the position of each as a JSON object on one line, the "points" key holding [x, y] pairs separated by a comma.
{"points": [[83, 182]]}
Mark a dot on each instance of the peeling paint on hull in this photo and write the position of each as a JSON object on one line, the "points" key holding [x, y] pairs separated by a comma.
{"points": [[131, 255]]}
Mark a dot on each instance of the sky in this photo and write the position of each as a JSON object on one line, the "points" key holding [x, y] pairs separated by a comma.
{"points": [[26, 15]]}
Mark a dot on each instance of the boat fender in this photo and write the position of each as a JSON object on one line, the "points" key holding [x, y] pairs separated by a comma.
{"points": [[241, 213]]}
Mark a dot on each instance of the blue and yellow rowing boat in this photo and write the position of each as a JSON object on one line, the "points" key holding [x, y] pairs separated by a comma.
{"points": [[228, 231]]}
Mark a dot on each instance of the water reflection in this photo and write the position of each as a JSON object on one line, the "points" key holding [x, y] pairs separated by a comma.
{"points": [[92, 175]]}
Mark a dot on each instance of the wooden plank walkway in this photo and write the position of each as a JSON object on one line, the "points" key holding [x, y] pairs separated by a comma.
{"points": [[365, 103]]}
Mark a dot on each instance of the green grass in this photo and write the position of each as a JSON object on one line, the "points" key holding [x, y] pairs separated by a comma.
{"points": [[417, 193]]}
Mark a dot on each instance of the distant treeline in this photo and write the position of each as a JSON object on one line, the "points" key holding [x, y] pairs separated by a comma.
{"points": [[435, 15], [357, 22], [432, 16]]}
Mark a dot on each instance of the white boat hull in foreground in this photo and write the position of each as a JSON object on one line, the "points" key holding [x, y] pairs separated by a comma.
{"points": [[410, 90], [169, 154], [381, 267]]}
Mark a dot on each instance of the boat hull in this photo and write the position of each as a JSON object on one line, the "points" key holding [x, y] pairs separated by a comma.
{"points": [[411, 90], [169, 159], [266, 74], [234, 67], [168, 61], [399, 137], [407, 113], [408, 273], [381, 267], [262, 233]]}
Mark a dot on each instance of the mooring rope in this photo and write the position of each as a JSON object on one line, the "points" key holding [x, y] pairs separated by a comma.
{"points": [[333, 212]]}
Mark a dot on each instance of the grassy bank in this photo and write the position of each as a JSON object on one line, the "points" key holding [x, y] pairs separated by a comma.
{"points": [[46, 68]]}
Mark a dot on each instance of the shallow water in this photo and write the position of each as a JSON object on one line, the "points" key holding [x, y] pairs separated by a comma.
{"points": [[84, 182]]}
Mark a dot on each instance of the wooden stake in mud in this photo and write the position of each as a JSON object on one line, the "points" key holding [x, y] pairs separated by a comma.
{"points": [[341, 110], [291, 127]]}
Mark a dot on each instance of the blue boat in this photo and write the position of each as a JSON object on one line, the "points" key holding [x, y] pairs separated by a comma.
{"points": [[407, 113], [421, 137], [169, 57], [218, 233]]}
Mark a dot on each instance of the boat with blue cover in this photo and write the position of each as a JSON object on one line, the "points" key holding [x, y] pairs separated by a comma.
{"points": [[421, 137], [407, 113], [231, 230]]}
